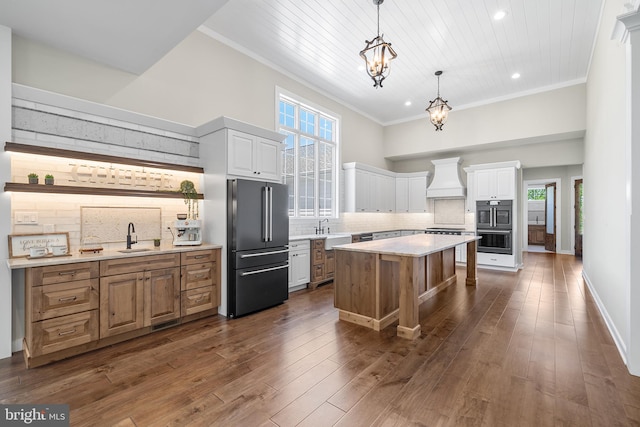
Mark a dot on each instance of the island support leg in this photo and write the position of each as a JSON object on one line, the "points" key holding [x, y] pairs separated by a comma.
{"points": [[412, 276], [472, 263]]}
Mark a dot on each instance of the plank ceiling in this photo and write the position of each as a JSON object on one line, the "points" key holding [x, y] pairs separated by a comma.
{"points": [[549, 42]]}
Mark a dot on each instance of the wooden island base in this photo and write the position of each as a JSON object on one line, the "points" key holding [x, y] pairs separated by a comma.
{"points": [[375, 289]]}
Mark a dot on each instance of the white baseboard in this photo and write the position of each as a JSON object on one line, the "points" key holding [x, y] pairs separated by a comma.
{"points": [[565, 252], [617, 338]]}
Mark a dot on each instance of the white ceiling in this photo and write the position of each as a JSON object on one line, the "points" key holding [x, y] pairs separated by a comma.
{"points": [[549, 42]]}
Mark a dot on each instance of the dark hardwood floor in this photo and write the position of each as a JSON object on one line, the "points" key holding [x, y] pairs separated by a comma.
{"points": [[521, 349]]}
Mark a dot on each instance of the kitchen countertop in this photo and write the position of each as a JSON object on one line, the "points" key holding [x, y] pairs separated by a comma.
{"points": [[416, 245], [16, 263], [317, 236]]}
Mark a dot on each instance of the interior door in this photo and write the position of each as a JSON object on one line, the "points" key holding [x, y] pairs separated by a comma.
{"points": [[550, 218], [578, 217]]}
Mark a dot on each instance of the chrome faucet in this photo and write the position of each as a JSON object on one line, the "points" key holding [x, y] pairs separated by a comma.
{"points": [[131, 229], [320, 228]]}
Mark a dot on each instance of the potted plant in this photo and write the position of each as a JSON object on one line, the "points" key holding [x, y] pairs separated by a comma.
{"points": [[156, 243], [48, 179], [33, 178], [190, 195]]}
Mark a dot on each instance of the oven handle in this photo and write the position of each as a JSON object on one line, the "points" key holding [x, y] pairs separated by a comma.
{"points": [[264, 270], [495, 231], [264, 253]]}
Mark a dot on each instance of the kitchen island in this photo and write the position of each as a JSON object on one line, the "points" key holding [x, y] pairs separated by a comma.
{"points": [[381, 281]]}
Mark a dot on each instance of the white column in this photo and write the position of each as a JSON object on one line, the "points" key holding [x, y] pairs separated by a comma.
{"points": [[631, 36], [5, 200]]}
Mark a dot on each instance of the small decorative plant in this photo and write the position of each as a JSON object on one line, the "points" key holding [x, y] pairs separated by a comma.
{"points": [[190, 195], [156, 243], [48, 179], [33, 178]]}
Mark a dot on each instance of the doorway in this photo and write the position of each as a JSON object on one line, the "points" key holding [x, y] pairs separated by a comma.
{"points": [[542, 215]]}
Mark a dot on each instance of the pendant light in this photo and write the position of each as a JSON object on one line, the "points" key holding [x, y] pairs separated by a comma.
{"points": [[380, 54], [438, 109]]}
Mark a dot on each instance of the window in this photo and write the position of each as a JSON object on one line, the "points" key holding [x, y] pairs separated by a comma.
{"points": [[536, 193], [310, 158]]}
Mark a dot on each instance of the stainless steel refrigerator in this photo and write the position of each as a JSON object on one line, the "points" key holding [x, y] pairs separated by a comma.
{"points": [[257, 244]]}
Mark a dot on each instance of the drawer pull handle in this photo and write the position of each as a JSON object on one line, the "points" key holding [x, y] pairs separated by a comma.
{"points": [[67, 273], [69, 332], [199, 256], [67, 299], [199, 276], [199, 298]]}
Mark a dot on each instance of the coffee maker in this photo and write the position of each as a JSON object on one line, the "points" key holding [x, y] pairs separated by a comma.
{"points": [[188, 232]]}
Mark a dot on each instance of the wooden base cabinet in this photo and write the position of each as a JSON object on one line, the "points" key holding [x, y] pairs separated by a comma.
{"points": [[61, 307], [74, 308], [146, 295], [322, 263], [200, 283]]}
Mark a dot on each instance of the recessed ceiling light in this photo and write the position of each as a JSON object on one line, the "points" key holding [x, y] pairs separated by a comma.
{"points": [[515, 76], [407, 103], [499, 15]]}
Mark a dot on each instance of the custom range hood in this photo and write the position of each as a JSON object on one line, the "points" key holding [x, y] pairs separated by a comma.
{"points": [[446, 182]]}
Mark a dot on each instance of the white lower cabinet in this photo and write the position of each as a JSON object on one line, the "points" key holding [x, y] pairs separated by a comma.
{"points": [[299, 264], [496, 260]]}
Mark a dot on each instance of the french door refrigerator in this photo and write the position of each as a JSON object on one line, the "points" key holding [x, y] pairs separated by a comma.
{"points": [[257, 245]]}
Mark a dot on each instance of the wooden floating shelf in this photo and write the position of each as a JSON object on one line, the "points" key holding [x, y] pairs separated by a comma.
{"points": [[80, 155], [91, 191]]}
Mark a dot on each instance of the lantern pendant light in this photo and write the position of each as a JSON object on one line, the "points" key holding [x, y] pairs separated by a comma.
{"points": [[438, 109], [380, 55]]}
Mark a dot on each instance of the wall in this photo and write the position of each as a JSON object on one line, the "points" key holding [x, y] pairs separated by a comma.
{"points": [[197, 81], [605, 249], [524, 119], [5, 201], [564, 173]]}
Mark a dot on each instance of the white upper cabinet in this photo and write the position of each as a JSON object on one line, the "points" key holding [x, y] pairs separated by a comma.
{"points": [[495, 184], [253, 156], [369, 189], [411, 193]]}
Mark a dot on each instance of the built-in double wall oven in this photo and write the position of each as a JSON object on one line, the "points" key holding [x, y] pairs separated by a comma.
{"points": [[494, 223]]}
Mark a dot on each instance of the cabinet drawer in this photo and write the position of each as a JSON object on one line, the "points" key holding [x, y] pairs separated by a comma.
{"points": [[200, 299], [317, 273], [318, 256], [330, 264], [318, 244], [64, 332], [197, 257], [62, 273], [64, 298], [299, 245], [198, 275], [138, 263]]}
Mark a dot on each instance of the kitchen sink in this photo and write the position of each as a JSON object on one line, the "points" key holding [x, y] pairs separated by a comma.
{"points": [[126, 251], [336, 239]]}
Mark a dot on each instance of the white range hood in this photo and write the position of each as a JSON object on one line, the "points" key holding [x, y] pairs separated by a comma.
{"points": [[446, 182]]}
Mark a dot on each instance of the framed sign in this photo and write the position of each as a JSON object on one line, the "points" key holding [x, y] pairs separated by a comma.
{"points": [[20, 244]]}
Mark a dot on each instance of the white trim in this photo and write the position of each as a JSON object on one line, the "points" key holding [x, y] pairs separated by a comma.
{"points": [[617, 338], [525, 212]]}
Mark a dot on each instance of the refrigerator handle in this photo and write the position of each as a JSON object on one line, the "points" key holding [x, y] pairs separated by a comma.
{"points": [[495, 217], [265, 213], [270, 214]]}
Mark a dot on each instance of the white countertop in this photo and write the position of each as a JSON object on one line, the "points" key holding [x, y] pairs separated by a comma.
{"points": [[15, 263], [317, 236], [417, 245]]}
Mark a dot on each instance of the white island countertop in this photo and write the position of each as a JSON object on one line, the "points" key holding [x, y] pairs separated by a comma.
{"points": [[25, 262], [416, 245]]}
